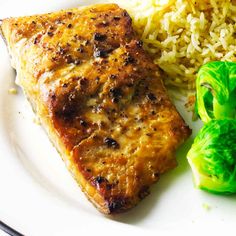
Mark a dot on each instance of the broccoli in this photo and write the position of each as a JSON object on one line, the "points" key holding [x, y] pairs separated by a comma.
{"points": [[212, 157], [216, 91]]}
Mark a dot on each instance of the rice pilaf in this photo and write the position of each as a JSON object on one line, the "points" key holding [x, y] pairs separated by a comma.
{"points": [[182, 35]]}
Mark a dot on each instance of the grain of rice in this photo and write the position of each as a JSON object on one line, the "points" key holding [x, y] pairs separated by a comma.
{"points": [[12, 91]]}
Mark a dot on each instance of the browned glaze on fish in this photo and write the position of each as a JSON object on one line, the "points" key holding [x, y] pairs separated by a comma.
{"points": [[100, 98]]}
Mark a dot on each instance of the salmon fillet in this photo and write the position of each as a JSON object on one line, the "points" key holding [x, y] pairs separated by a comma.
{"points": [[100, 98]]}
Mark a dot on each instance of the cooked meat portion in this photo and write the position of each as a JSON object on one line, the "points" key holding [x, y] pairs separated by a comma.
{"points": [[100, 98]]}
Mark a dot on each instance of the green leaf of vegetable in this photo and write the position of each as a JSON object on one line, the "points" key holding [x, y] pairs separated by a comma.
{"points": [[216, 91], [212, 157]]}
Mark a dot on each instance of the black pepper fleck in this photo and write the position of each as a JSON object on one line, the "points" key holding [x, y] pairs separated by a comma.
{"points": [[117, 204], [125, 14], [36, 40], [50, 34], [81, 50], [100, 179], [62, 51], [153, 113], [151, 96], [77, 62], [69, 59], [99, 37], [116, 18], [83, 123], [139, 43], [116, 94], [113, 76], [86, 42], [157, 175], [100, 53], [115, 100], [129, 60], [53, 97], [83, 82], [113, 206], [111, 143]]}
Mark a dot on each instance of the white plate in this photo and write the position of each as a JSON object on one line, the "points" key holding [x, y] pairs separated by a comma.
{"points": [[39, 197]]}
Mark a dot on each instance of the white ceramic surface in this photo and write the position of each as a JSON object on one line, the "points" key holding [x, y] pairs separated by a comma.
{"points": [[39, 197]]}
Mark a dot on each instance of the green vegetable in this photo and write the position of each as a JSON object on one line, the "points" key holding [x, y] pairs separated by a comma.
{"points": [[213, 153], [213, 157], [216, 91]]}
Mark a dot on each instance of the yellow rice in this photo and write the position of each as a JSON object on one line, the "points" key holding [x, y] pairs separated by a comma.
{"points": [[182, 35]]}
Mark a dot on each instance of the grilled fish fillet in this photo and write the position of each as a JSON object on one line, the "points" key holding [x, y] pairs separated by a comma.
{"points": [[100, 98]]}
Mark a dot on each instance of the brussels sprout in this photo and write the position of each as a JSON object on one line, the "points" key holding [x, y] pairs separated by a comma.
{"points": [[216, 91], [212, 157]]}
